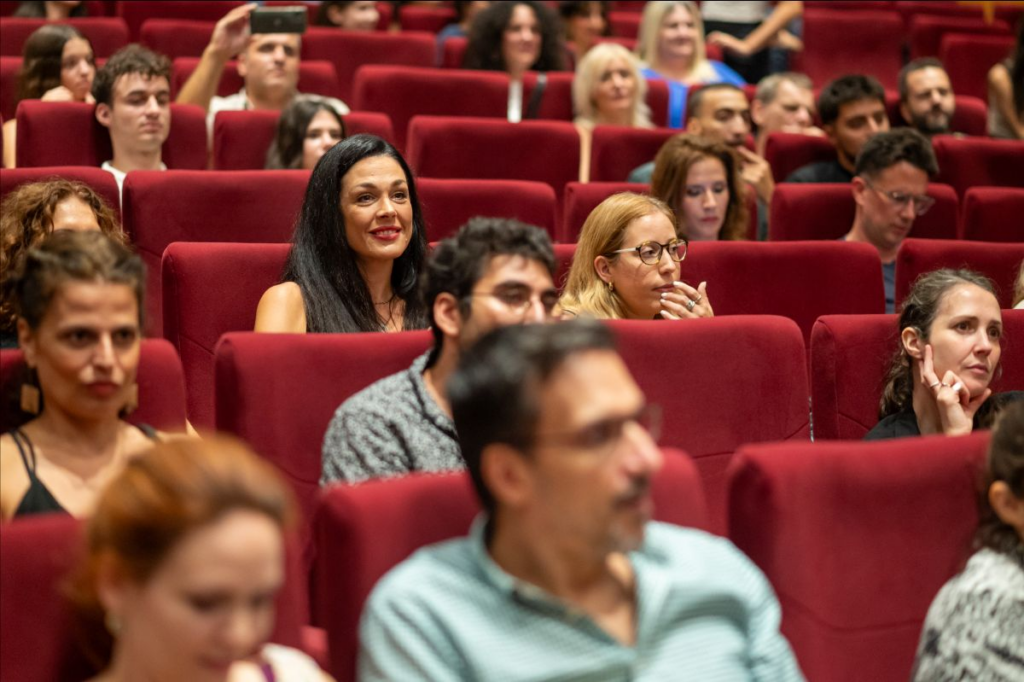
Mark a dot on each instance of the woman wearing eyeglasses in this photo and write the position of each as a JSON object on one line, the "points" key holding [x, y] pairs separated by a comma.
{"points": [[627, 265]]}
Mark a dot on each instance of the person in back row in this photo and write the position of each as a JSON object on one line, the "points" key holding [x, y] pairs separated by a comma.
{"points": [[133, 101], [493, 272], [852, 110], [783, 103], [891, 190], [267, 62], [926, 97], [564, 576]]}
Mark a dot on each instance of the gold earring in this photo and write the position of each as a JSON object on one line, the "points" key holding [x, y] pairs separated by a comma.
{"points": [[611, 287], [132, 403], [113, 624], [30, 396]]}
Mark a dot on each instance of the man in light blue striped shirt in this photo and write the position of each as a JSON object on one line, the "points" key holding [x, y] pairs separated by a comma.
{"points": [[565, 577]]}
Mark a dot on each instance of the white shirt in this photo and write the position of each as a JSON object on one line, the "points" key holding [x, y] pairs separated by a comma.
{"points": [[240, 102], [735, 12], [119, 176]]}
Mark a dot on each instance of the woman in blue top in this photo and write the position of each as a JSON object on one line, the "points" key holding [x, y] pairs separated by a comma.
{"points": [[671, 45]]}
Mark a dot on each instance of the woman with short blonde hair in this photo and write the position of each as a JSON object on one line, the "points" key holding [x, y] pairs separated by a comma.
{"points": [[605, 63]]}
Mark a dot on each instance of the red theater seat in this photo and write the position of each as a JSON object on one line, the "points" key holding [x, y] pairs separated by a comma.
{"points": [[969, 118], [430, 19], [624, 24], [581, 198], [365, 530], [161, 387], [453, 52], [9, 68], [999, 262], [209, 206], [787, 152], [927, 31], [993, 214], [99, 180], [106, 34], [449, 147], [850, 356], [974, 162], [617, 151], [177, 37], [136, 13], [316, 77], [348, 50], [68, 134], [448, 204], [968, 58], [826, 211], [241, 138], [834, 40], [856, 539]]}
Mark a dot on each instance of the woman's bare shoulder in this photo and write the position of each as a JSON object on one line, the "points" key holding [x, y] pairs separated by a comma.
{"points": [[281, 309]]}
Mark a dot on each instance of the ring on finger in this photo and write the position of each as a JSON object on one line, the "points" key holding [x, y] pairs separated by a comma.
{"points": [[690, 303], [937, 383]]}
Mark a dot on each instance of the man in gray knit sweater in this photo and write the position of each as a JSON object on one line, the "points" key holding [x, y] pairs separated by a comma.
{"points": [[493, 272]]}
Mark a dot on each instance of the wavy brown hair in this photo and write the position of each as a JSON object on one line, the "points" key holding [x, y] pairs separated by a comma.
{"points": [[26, 216]]}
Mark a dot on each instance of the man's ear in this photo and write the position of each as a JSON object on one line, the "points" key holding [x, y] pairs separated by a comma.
{"points": [[905, 112], [603, 268], [830, 133], [243, 63], [507, 474], [103, 114], [912, 343], [757, 112], [693, 125], [858, 188], [447, 315]]}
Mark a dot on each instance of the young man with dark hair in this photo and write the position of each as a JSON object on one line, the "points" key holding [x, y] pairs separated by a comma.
{"points": [[891, 189], [852, 111], [133, 101], [493, 272], [564, 576], [926, 97]]}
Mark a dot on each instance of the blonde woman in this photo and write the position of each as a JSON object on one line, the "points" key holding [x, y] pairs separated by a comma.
{"points": [[608, 90], [627, 265], [671, 45]]}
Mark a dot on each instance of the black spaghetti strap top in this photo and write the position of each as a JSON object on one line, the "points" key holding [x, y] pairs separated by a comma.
{"points": [[38, 499]]}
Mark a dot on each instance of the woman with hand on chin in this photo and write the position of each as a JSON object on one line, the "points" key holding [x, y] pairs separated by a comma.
{"points": [[626, 265], [358, 248], [951, 331]]}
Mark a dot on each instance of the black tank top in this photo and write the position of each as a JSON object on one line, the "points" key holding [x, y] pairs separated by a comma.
{"points": [[38, 499]]}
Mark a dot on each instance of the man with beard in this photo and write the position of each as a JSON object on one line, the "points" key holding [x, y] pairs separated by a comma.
{"points": [[926, 97]]}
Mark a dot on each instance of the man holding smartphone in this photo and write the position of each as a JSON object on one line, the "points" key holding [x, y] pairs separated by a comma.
{"points": [[268, 62]]}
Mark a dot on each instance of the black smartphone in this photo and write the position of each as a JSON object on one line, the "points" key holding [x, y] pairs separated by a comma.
{"points": [[278, 20]]}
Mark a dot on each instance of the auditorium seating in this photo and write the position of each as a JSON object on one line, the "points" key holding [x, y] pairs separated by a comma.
{"points": [[711, 408], [448, 204], [209, 206], [968, 58], [136, 13], [40, 633], [856, 539], [579, 199], [850, 355], [177, 38], [106, 34], [834, 44], [68, 134], [999, 262], [449, 147], [786, 152], [99, 180], [993, 214], [430, 19], [9, 68], [363, 531], [316, 77], [241, 138], [975, 162], [970, 117], [625, 24], [161, 388], [348, 50], [826, 211], [927, 31], [617, 151], [453, 51]]}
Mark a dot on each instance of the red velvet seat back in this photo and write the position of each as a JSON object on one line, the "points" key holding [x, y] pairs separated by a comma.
{"points": [[826, 211], [9, 68], [993, 214], [968, 57], [617, 151], [581, 198], [363, 531], [970, 116], [835, 40], [787, 152], [241, 138], [193, 320], [856, 539], [449, 204], [68, 134], [178, 38], [208, 206], [927, 31], [106, 34], [999, 262], [972, 162], [316, 77], [160, 379], [432, 19], [99, 180], [850, 356], [136, 13]]}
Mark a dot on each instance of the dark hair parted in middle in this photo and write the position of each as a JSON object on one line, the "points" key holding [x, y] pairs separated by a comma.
{"points": [[844, 90], [285, 151], [888, 148], [495, 392], [484, 50], [128, 60], [325, 266], [42, 60]]}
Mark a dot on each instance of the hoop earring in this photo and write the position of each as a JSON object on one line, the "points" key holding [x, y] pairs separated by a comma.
{"points": [[132, 403], [30, 395], [611, 286]]}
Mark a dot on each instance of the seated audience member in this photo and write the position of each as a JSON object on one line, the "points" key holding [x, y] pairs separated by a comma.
{"points": [[699, 178], [465, 13], [493, 272], [267, 62], [51, 11], [755, 35], [78, 297], [31, 212], [361, 15], [626, 265], [195, 601], [852, 111], [926, 97], [585, 22], [950, 334], [1018, 290], [308, 127], [607, 90], [356, 255], [57, 66], [1006, 93], [133, 101], [891, 189], [671, 44], [783, 103], [564, 575], [972, 631], [516, 37]]}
